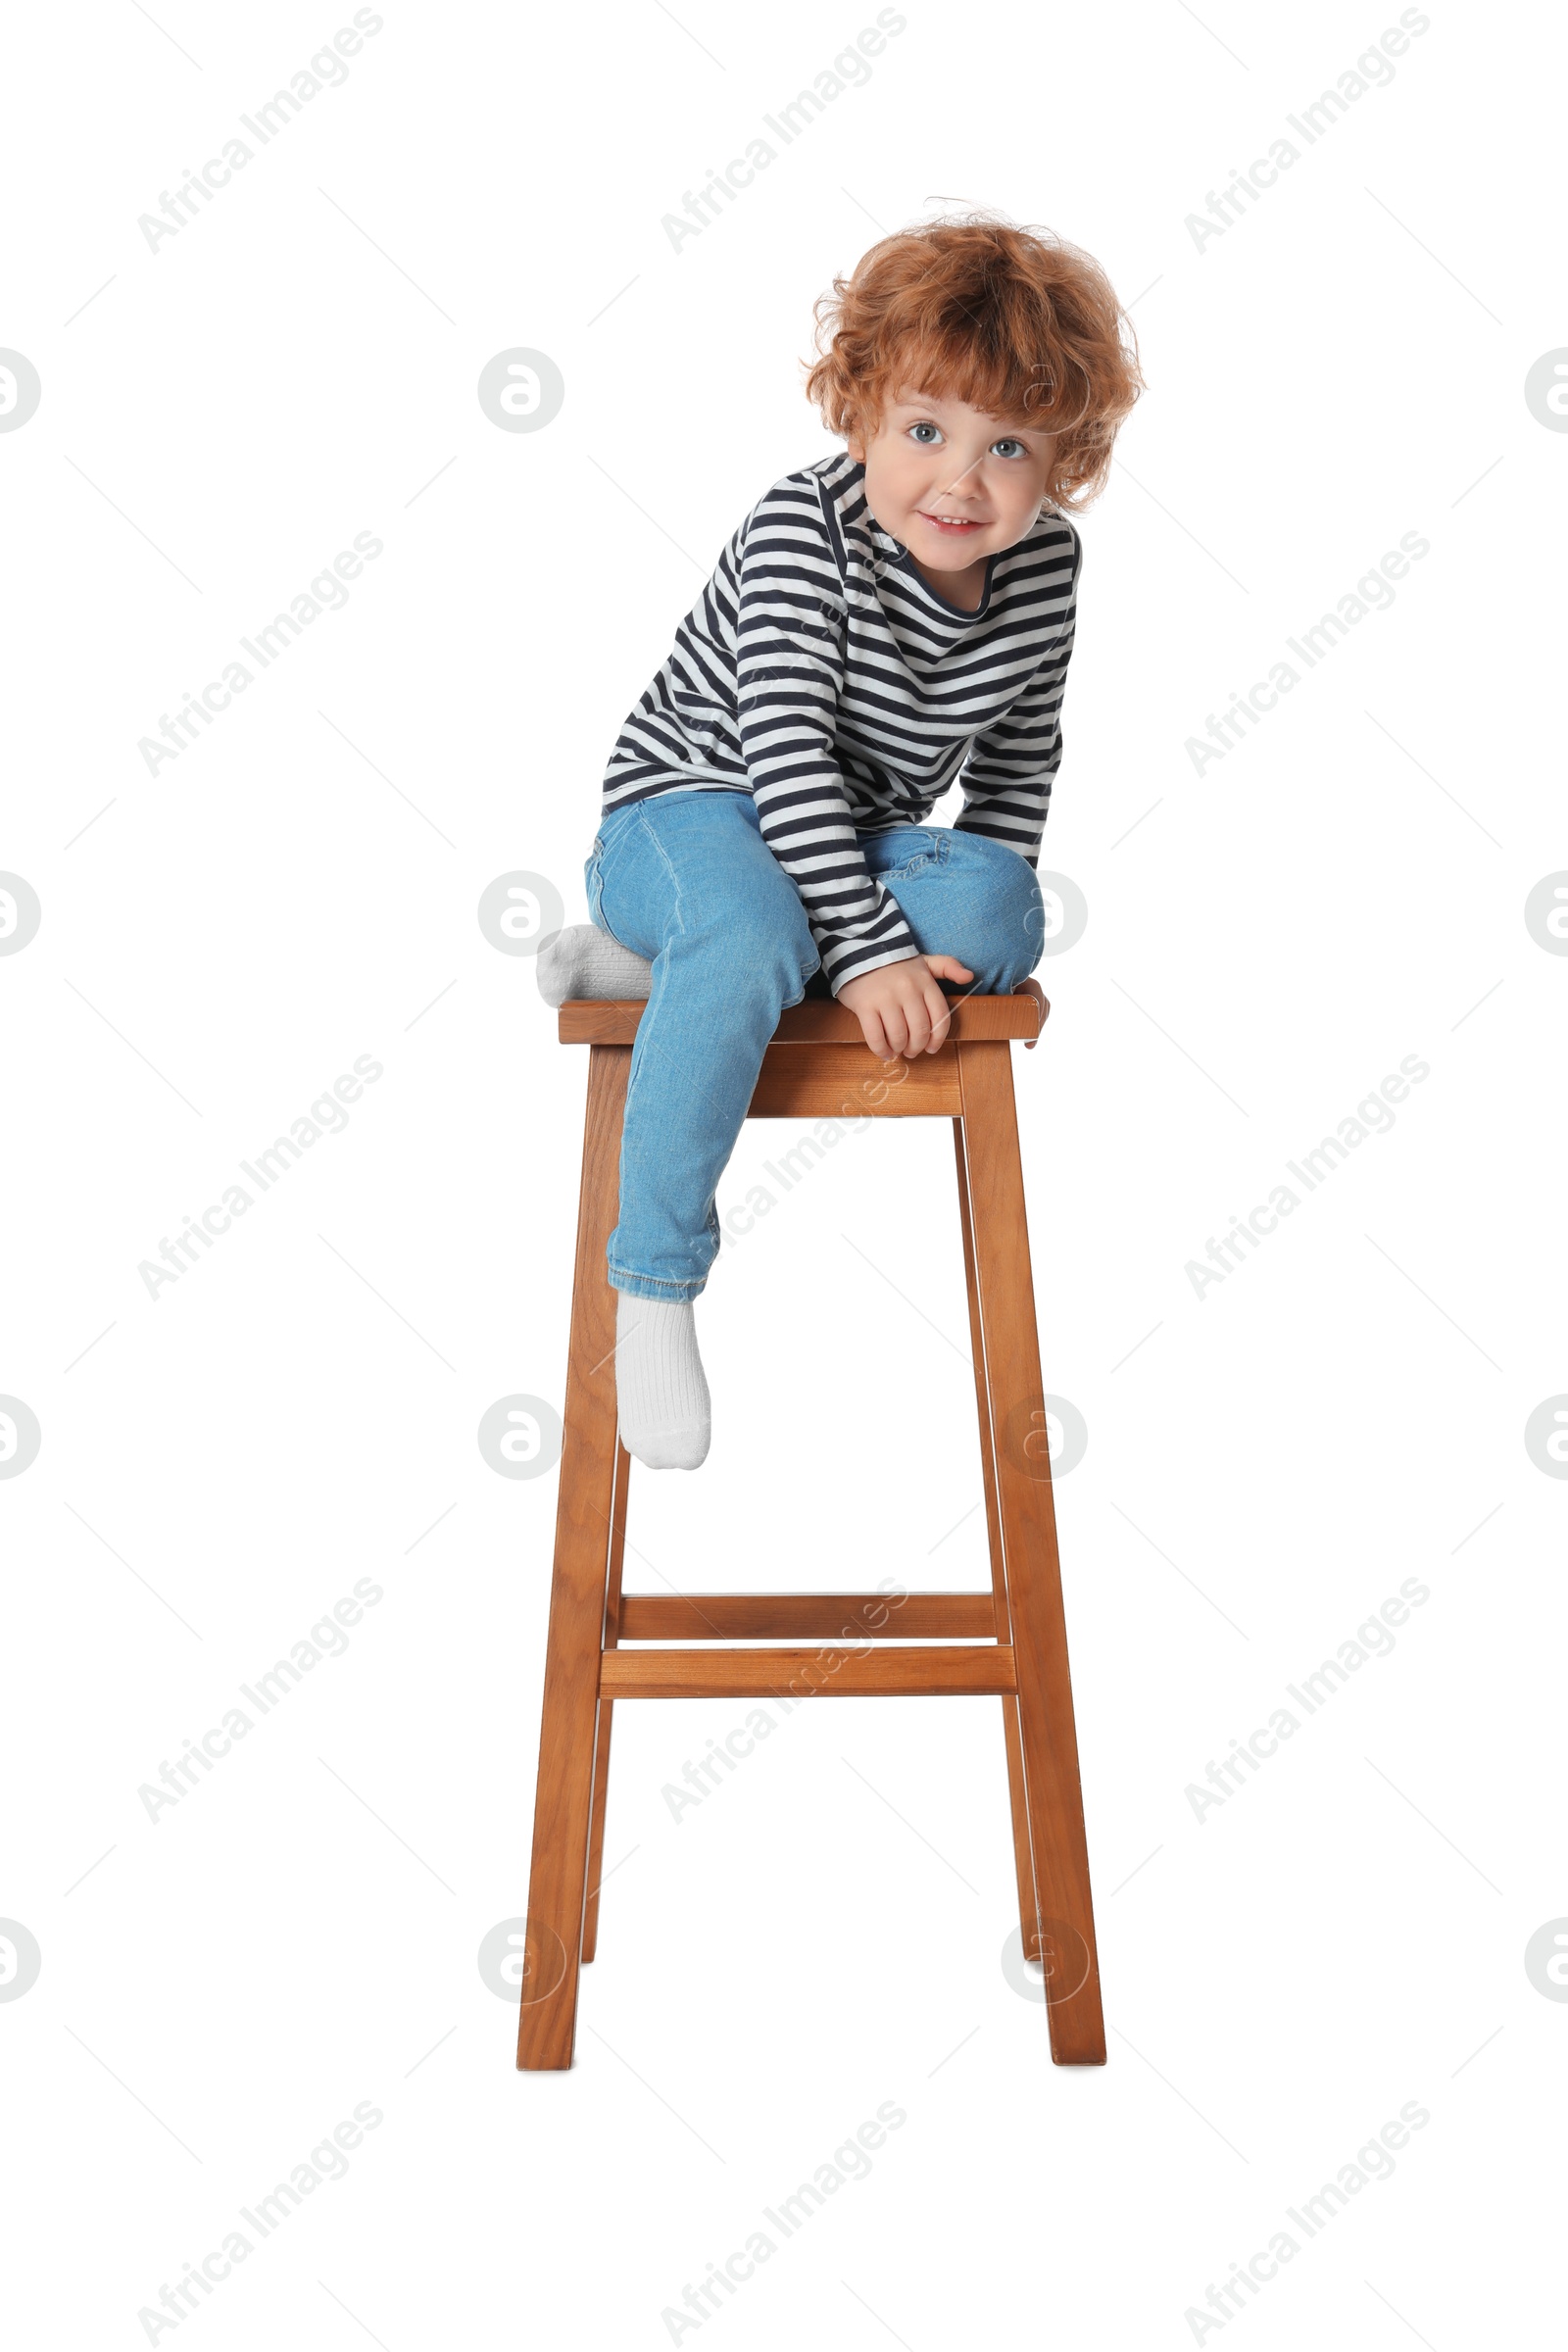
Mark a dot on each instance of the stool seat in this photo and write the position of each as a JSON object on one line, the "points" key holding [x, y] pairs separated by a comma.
{"points": [[1009, 1643], [613, 1020]]}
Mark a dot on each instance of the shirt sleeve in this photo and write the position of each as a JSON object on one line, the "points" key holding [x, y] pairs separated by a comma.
{"points": [[790, 638], [1011, 767]]}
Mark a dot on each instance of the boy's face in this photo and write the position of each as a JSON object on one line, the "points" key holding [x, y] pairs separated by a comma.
{"points": [[954, 484]]}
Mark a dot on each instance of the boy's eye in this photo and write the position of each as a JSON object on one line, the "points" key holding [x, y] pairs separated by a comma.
{"points": [[1008, 442], [925, 426]]}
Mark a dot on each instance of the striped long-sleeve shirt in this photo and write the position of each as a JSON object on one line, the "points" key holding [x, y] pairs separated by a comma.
{"points": [[820, 672]]}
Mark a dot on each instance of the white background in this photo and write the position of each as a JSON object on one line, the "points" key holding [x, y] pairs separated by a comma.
{"points": [[1265, 1464]]}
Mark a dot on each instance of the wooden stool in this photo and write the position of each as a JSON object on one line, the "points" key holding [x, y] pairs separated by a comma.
{"points": [[817, 1065]]}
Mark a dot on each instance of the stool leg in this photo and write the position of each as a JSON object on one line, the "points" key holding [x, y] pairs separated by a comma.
{"points": [[584, 1519], [1023, 1857], [993, 1171], [607, 1707]]}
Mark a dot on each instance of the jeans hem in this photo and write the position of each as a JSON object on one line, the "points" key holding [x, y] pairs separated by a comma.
{"points": [[650, 1286]]}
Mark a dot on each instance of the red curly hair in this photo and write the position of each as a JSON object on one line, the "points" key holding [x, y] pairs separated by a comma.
{"points": [[1013, 322]]}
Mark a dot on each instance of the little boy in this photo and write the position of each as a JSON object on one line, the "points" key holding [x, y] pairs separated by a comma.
{"points": [[884, 624]]}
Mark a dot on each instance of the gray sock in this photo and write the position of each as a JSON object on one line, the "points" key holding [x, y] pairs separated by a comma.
{"points": [[584, 961], [659, 1385]]}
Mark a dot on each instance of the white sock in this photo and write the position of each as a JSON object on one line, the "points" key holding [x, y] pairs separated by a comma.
{"points": [[584, 961], [659, 1387]]}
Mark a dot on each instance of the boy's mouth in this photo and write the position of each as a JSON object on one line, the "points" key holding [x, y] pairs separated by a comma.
{"points": [[951, 527]]}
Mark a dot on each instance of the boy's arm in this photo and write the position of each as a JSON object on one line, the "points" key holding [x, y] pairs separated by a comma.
{"points": [[789, 662], [1007, 775]]}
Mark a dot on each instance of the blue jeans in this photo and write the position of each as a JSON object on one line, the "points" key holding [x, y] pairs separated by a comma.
{"points": [[687, 880]]}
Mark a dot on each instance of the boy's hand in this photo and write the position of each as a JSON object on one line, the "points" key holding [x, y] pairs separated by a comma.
{"points": [[900, 1008]]}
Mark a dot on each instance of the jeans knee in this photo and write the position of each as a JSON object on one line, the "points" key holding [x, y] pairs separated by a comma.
{"points": [[1026, 924], [1005, 911]]}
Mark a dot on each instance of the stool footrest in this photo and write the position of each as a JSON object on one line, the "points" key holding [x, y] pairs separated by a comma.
{"points": [[807, 1616], [985, 1670]]}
